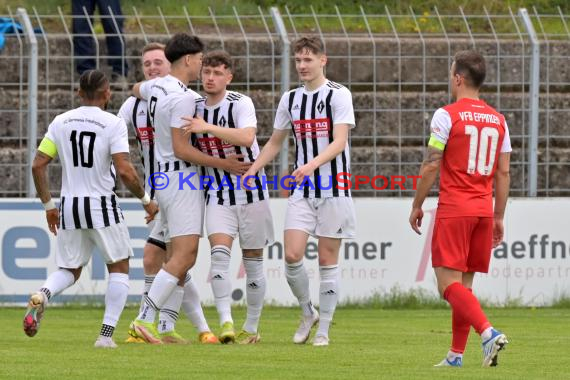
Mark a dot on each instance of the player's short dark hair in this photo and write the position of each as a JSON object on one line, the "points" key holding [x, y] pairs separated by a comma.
{"points": [[152, 46], [471, 65], [182, 44], [93, 83], [216, 58], [311, 43]]}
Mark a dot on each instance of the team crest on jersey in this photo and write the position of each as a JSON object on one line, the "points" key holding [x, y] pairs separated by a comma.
{"points": [[320, 106], [222, 122]]}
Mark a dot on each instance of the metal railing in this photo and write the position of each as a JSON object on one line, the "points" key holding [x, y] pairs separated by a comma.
{"points": [[395, 65]]}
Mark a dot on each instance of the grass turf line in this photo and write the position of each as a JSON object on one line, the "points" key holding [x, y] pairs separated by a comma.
{"points": [[365, 343]]}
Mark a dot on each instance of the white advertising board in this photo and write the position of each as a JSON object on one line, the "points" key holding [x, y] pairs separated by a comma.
{"points": [[532, 265]]}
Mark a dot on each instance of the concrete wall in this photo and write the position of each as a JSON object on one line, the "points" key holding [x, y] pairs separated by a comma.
{"points": [[392, 117]]}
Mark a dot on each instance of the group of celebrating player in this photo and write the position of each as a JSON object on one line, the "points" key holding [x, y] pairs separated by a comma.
{"points": [[181, 133]]}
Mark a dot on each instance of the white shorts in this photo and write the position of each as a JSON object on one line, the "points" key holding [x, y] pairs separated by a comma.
{"points": [[327, 217], [74, 247], [253, 222], [156, 232], [182, 210]]}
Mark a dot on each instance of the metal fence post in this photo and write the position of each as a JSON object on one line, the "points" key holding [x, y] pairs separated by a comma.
{"points": [[247, 56], [21, 164], [399, 42], [547, 109], [522, 162], [95, 40], [285, 75], [120, 37], [374, 91], [72, 55], [534, 84], [498, 58], [32, 98]]}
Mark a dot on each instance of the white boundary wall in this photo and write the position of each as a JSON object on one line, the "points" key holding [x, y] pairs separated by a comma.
{"points": [[533, 264]]}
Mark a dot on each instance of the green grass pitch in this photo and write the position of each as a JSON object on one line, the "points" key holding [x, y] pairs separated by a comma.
{"points": [[366, 343]]}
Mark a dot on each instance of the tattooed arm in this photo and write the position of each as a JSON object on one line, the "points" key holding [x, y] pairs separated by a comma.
{"points": [[428, 174], [130, 178], [502, 184], [39, 173]]}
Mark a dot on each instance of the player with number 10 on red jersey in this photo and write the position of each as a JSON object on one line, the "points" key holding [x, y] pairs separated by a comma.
{"points": [[470, 144]]}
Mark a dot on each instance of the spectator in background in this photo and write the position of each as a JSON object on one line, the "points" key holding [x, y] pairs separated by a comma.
{"points": [[83, 44]]}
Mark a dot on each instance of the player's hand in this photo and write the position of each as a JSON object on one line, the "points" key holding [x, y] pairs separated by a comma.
{"points": [[249, 183], [234, 165], [151, 211], [416, 217], [498, 232], [303, 171], [194, 125], [52, 217]]}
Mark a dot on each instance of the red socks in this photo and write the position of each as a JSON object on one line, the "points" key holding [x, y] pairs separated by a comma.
{"points": [[460, 332], [466, 307]]}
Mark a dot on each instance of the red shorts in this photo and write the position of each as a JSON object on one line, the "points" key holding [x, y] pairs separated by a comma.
{"points": [[462, 243]]}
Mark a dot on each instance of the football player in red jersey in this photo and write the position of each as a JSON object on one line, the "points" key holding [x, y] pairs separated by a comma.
{"points": [[470, 144]]}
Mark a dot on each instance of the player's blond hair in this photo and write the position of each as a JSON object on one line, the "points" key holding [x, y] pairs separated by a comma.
{"points": [[152, 46]]}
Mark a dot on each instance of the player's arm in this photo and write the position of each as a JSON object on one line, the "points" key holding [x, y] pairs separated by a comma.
{"points": [[137, 90], [128, 173], [129, 176], [336, 147], [234, 136], [428, 175], [269, 151], [142, 89], [119, 150], [280, 133], [186, 152], [46, 152], [440, 128], [245, 125], [181, 106], [502, 186]]}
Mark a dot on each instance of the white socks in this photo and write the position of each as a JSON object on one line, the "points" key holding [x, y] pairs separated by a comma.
{"points": [[161, 289], [255, 291], [452, 355], [192, 306], [298, 281], [220, 281], [115, 298], [148, 279], [57, 282], [187, 297], [328, 297], [169, 311], [487, 334]]}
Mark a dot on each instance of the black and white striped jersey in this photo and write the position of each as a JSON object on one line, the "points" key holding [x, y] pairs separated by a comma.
{"points": [[85, 138], [168, 101], [234, 111], [135, 114], [312, 116], [89, 212]]}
